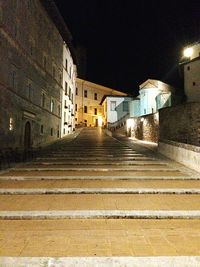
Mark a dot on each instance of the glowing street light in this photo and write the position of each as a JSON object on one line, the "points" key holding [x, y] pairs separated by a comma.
{"points": [[188, 52]]}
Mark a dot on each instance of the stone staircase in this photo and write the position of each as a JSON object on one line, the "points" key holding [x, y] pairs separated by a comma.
{"points": [[99, 201]]}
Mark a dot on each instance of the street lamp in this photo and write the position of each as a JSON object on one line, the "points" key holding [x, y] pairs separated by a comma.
{"points": [[188, 52]]}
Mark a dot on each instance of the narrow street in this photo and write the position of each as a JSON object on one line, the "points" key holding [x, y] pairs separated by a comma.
{"points": [[97, 196]]}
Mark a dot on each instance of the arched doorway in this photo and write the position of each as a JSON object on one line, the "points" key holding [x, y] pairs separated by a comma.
{"points": [[27, 136]]}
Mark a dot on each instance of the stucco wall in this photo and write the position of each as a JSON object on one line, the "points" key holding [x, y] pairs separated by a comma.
{"points": [[181, 123]]}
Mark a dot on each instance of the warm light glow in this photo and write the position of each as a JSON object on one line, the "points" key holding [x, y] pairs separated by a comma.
{"points": [[188, 52], [100, 121], [11, 127], [129, 123]]}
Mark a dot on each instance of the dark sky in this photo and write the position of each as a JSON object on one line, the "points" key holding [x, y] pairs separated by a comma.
{"points": [[128, 41]]}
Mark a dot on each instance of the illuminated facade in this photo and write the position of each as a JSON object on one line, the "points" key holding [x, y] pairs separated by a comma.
{"points": [[191, 69], [31, 73], [68, 93], [153, 95], [115, 108], [89, 112]]}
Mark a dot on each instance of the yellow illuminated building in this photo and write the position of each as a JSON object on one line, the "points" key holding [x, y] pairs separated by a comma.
{"points": [[88, 110]]}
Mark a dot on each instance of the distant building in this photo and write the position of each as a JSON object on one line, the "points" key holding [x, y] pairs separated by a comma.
{"points": [[191, 70], [89, 112], [68, 93], [115, 108], [31, 72], [153, 95]]}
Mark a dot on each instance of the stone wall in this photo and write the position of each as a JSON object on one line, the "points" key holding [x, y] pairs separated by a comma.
{"points": [[146, 128], [181, 123], [31, 52]]}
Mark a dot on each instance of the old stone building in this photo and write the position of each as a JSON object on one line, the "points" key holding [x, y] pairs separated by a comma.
{"points": [[31, 72], [89, 112]]}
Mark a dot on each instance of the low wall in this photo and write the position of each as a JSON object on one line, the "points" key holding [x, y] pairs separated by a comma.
{"points": [[181, 123], [186, 154]]}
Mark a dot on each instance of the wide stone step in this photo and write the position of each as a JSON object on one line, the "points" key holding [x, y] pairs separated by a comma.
{"points": [[186, 261], [100, 163], [100, 202], [124, 242], [102, 214], [109, 184], [102, 168], [95, 158], [58, 191]]}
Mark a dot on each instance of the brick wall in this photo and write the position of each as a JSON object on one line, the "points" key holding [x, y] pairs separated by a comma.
{"points": [[181, 123]]}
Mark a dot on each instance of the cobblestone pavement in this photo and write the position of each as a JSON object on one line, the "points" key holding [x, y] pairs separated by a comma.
{"points": [[99, 196]]}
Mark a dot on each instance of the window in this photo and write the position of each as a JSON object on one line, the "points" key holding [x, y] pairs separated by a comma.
{"points": [[188, 67], [41, 129], [95, 111], [125, 106], [15, 29], [85, 93], [60, 77], [76, 107], [193, 83], [64, 117], [59, 110], [112, 105], [70, 71], [29, 90], [66, 64], [52, 105], [51, 131], [11, 124], [70, 90], [54, 72], [76, 91], [44, 62], [72, 99], [85, 109], [14, 79], [66, 87], [31, 46], [43, 100], [95, 96]]}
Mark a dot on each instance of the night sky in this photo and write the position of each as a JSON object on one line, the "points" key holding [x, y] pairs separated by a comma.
{"points": [[128, 42]]}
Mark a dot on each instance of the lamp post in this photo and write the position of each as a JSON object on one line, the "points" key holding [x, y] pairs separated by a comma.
{"points": [[188, 52]]}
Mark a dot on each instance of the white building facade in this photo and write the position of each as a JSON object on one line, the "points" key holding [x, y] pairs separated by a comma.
{"points": [[68, 94], [115, 108]]}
